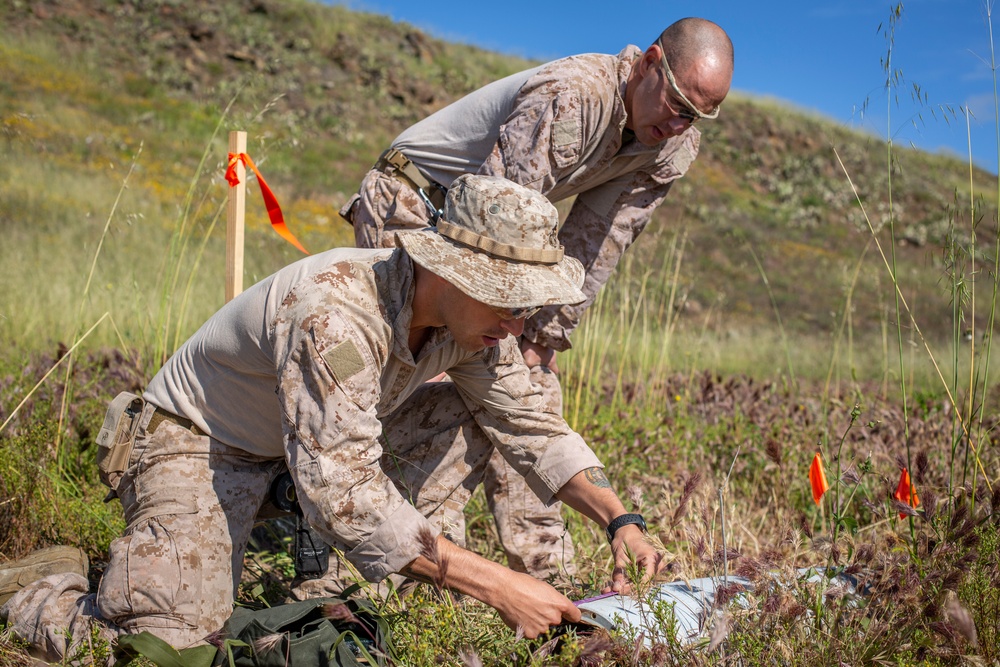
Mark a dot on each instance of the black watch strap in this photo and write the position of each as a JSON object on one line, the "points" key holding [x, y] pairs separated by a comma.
{"points": [[624, 520]]}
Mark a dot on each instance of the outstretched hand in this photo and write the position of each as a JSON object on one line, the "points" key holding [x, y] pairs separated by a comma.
{"points": [[522, 601], [589, 492], [533, 606], [630, 544]]}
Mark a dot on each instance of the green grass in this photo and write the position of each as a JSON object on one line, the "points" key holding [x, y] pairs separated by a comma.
{"points": [[753, 324]]}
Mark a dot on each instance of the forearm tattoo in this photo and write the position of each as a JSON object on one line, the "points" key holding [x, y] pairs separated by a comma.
{"points": [[597, 477]]}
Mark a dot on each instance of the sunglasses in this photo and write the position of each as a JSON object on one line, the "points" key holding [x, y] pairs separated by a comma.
{"points": [[515, 313], [689, 112]]}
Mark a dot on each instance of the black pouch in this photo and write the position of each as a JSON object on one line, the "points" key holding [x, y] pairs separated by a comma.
{"points": [[117, 436]]}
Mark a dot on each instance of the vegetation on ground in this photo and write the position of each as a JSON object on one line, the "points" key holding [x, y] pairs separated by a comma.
{"points": [[807, 289]]}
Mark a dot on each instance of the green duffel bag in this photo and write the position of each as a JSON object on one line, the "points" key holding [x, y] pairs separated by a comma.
{"points": [[312, 633]]}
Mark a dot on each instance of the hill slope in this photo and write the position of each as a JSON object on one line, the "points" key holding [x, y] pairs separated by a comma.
{"points": [[322, 90]]}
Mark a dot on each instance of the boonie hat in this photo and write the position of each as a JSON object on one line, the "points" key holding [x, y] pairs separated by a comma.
{"points": [[497, 242]]}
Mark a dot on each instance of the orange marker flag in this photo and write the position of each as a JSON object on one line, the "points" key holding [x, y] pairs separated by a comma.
{"points": [[817, 478], [906, 492], [270, 201]]}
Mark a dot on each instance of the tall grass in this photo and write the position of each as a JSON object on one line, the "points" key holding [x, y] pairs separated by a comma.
{"points": [[638, 333], [47, 260], [707, 423]]}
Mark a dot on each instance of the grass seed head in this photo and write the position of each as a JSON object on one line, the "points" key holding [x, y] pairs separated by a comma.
{"points": [[338, 612], [594, 648], [805, 526], [903, 508], [922, 465], [217, 638], [725, 593], [749, 567], [267, 643], [851, 476], [428, 545], [545, 650], [634, 493], [773, 451], [441, 579], [960, 618], [959, 513], [469, 658], [719, 632]]}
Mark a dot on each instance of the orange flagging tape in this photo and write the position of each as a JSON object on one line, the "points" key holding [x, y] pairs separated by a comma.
{"points": [[817, 479], [270, 201], [906, 492]]}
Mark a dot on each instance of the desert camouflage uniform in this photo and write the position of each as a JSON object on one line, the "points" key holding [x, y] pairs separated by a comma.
{"points": [[559, 129], [308, 369]]}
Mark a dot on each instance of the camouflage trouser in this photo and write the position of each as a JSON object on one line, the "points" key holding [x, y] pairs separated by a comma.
{"points": [[533, 535], [189, 504]]}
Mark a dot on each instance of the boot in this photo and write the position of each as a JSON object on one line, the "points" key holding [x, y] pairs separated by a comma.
{"points": [[17, 574]]}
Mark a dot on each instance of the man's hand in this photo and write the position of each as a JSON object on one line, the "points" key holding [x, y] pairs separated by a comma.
{"points": [[538, 355], [589, 492], [533, 605], [521, 600], [629, 543]]}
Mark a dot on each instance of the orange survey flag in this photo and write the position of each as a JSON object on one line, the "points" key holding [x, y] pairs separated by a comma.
{"points": [[817, 478], [270, 201], [906, 492]]}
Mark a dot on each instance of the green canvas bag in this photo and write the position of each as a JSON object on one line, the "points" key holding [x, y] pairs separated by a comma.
{"points": [[312, 633]]}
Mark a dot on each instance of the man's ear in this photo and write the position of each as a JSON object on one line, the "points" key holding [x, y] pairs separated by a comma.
{"points": [[649, 59]]}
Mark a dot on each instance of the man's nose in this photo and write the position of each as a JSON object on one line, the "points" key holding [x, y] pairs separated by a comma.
{"points": [[515, 327], [677, 125]]}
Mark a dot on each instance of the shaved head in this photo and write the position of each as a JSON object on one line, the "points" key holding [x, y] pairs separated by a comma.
{"points": [[701, 55], [694, 41]]}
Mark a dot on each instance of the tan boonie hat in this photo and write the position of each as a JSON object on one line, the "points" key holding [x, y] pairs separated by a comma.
{"points": [[496, 241]]}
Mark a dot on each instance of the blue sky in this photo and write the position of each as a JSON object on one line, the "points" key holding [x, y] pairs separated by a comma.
{"points": [[825, 57]]}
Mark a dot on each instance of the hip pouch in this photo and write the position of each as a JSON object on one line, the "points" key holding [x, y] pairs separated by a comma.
{"points": [[117, 436]]}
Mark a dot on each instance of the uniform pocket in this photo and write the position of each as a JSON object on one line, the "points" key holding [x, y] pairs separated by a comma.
{"points": [[566, 140], [155, 576]]}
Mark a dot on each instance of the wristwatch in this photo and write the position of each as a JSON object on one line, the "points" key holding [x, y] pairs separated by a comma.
{"points": [[624, 520]]}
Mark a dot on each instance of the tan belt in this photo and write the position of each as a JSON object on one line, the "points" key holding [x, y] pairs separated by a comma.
{"points": [[162, 415], [403, 169]]}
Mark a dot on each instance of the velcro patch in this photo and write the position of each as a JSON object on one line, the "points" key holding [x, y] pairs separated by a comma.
{"points": [[344, 360], [682, 159], [565, 132]]}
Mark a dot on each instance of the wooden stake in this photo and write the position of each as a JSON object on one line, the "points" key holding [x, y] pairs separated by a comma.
{"points": [[236, 211]]}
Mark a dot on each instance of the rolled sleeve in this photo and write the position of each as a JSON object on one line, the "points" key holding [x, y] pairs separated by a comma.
{"points": [[392, 546], [560, 460]]}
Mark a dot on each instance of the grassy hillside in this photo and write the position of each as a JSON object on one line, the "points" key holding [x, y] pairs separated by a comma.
{"points": [[321, 90], [114, 116]]}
